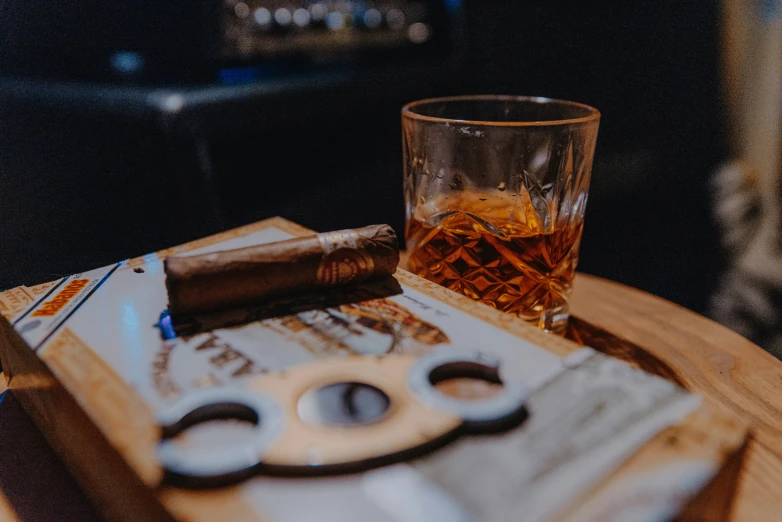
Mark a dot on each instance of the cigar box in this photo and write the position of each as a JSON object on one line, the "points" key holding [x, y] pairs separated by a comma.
{"points": [[405, 402]]}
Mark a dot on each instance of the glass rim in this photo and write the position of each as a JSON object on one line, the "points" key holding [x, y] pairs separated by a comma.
{"points": [[408, 110]]}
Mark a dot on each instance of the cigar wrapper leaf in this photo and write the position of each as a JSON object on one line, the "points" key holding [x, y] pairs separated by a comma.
{"points": [[220, 280]]}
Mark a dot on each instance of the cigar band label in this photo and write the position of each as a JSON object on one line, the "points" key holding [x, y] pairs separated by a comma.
{"points": [[342, 261]]}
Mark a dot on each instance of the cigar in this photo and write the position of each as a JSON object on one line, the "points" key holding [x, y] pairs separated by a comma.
{"points": [[246, 276]]}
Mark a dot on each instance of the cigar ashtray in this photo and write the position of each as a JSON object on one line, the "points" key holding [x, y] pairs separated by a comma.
{"points": [[339, 415]]}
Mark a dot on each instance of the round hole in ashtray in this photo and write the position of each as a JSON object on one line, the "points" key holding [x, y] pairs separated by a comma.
{"points": [[466, 380], [344, 404], [215, 434], [215, 426]]}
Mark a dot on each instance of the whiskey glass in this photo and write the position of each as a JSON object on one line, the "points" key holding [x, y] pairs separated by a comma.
{"points": [[495, 193]]}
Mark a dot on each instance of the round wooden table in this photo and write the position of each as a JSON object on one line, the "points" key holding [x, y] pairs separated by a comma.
{"points": [[656, 335], [703, 356]]}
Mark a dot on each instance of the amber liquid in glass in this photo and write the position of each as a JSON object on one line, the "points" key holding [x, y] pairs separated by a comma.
{"points": [[494, 249]]}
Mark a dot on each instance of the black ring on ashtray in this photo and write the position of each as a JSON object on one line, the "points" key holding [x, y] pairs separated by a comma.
{"points": [[476, 413], [218, 403], [344, 405]]}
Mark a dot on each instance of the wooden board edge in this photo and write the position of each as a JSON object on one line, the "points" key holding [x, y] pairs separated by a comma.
{"points": [[96, 465], [105, 398]]}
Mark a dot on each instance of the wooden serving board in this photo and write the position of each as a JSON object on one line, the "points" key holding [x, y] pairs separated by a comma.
{"points": [[602, 441]]}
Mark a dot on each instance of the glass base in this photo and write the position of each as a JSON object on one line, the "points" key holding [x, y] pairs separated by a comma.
{"points": [[553, 320]]}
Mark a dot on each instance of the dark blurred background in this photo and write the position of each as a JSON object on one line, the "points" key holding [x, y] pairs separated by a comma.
{"points": [[144, 141]]}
